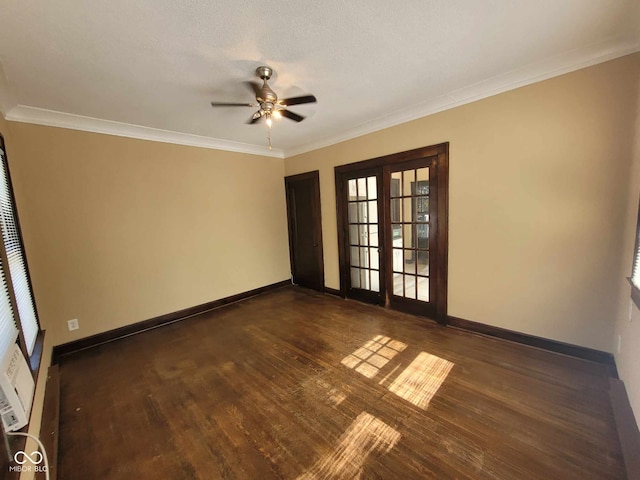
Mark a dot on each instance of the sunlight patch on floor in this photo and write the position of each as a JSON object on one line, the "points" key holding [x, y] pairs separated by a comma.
{"points": [[365, 435], [336, 396], [420, 381], [373, 355]]}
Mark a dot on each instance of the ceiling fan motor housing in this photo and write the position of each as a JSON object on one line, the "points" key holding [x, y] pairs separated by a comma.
{"points": [[266, 94]]}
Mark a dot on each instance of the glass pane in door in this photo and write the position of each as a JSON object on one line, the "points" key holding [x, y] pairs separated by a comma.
{"points": [[409, 213], [363, 233]]}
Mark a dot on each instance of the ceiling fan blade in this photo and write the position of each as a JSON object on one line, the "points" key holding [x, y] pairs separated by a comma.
{"points": [[232, 104], [287, 102], [293, 116]]}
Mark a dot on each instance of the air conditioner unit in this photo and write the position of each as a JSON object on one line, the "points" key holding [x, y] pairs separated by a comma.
{"points": [[16, 390]]}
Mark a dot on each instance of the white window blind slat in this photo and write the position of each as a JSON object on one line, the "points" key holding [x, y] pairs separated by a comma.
{"points": [[15, 257], [635, 275], [8, 330]]}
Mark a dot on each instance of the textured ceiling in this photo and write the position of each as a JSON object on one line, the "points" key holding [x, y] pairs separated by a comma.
{"points": [[117, 66]]}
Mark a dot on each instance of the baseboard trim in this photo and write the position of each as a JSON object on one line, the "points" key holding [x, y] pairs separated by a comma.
{"points": [[627, 427], [584, 353], [333, 291], [139, 327]]}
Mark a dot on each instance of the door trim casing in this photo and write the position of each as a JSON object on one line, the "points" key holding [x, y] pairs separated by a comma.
{"points": [[440, 152]]}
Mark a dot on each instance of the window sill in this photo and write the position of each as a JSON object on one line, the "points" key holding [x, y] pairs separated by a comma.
{"points": [[635, 293], [36, 356]]}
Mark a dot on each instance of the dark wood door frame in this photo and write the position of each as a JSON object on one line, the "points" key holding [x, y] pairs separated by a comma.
{"points": [[316, 214], [439, 158]]}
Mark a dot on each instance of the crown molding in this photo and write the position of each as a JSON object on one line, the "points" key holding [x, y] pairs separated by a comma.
{"points": [[51, 118], [536, 72], [533, 73]]}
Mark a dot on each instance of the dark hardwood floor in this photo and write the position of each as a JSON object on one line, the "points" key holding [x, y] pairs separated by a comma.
{"points": [[286, 385]]}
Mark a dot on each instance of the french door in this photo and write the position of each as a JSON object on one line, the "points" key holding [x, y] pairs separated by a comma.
{"points": [[362, 191], [392, 216]]}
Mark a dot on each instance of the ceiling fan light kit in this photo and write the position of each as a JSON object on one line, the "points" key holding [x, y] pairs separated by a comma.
{"points": [[269, 106]]}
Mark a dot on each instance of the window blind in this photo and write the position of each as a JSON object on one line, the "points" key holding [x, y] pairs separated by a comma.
{"points": [[8, 330], [16, 260], [635, 275]]}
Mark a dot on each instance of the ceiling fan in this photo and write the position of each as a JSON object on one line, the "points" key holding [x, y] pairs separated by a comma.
{"points": [[268, 104]]}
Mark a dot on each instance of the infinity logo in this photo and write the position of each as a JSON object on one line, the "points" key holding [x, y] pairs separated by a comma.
{"points": [[34, 455]]}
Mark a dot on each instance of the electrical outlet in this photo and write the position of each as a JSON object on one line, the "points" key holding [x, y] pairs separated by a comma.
{"points": [[619, 347], [73, 324]]}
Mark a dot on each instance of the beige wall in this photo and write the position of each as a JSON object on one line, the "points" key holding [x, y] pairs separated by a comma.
{"points": [[538, 198], [627, 325], [119, 230]]}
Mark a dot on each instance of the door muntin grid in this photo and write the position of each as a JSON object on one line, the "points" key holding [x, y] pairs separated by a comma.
{"points": [[409, 233], [364, 241]]}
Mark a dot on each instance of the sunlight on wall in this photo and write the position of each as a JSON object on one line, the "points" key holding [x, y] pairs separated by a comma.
{"points": [[373, 355], [420, 381], [365, 435]]}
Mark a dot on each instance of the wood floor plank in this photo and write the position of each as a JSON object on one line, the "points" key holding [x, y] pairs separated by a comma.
{"points": [[294, 384]]}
